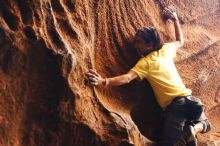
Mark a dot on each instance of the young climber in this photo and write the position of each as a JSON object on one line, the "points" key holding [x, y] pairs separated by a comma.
{"points": [[183, 113]]}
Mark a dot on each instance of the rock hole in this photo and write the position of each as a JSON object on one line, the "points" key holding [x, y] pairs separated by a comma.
{"points": [[67, 28], [29, 33], [46, 90], [57, 7], [71, 5], [11, 20], [55, 38], [26, 12]]}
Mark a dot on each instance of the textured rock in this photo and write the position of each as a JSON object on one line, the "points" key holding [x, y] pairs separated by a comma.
{"points": [[46, 47]]}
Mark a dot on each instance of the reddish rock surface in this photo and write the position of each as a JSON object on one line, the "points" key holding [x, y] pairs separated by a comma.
{"points": [[47, 46]]}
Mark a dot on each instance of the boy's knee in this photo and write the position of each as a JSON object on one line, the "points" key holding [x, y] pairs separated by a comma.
{"points": [[206, 126]]}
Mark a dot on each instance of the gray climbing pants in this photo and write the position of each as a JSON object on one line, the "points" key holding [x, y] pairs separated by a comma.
{"points": [[175, 119]]}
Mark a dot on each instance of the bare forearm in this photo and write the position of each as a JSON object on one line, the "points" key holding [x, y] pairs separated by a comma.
{"points": [[118, 80], [178, 31], [96, 79]]}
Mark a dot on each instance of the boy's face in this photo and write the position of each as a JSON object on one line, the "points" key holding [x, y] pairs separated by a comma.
{"points": [[141, 46]]}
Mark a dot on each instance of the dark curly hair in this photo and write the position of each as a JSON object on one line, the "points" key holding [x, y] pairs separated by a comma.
{"points": [[151, 35]]}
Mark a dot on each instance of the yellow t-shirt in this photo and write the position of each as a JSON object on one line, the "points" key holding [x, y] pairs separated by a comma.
{"points": [[159, 69]]}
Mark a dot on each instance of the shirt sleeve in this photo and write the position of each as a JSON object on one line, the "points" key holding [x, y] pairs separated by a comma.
{"points": [[171, 49], [141, 68]]}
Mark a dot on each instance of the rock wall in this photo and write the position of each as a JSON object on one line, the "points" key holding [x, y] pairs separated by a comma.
{"points": [[47, 46]]}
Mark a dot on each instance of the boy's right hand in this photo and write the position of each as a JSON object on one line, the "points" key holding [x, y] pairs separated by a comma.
{"points": [[170, 13]]}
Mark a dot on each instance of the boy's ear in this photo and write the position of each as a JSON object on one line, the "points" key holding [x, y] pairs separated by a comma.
{"points": [[150, 45]]}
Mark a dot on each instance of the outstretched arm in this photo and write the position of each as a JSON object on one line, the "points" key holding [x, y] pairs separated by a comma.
{"points": [[96, 79], [178, 33], [171, 14]]}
